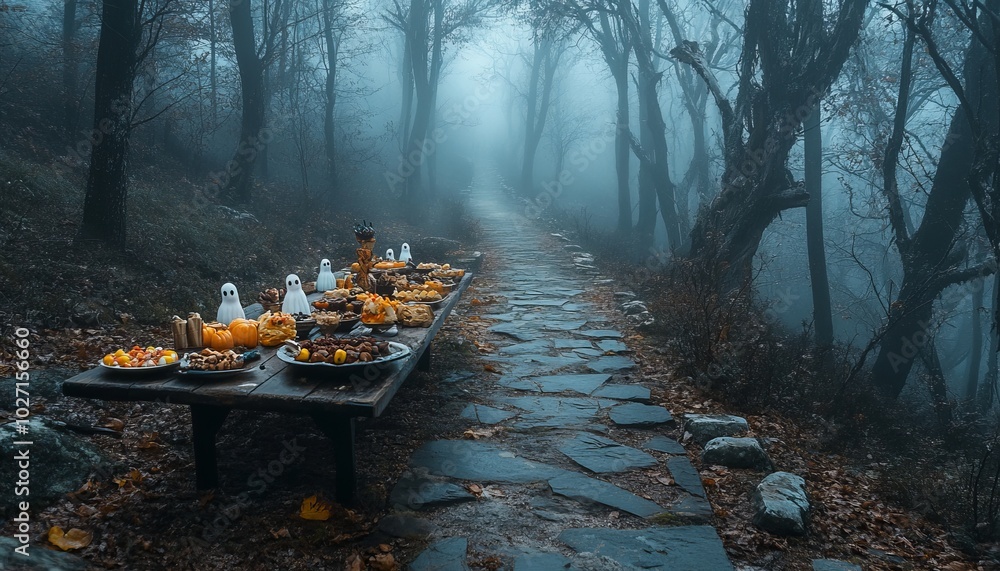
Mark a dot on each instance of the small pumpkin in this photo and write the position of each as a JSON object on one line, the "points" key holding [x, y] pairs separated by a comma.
{"points": [[217, 336], [244, 332]]}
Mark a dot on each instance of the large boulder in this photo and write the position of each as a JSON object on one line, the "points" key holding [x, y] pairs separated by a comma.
{"points": [[735, 453], [834, 565], [705, 427], [781, 504], [59, 462]]}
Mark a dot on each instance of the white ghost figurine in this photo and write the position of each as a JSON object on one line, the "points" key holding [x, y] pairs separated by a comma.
{"points": [[230, 308], [404, 253], [326, 280], [295, 298], [389, 255]]}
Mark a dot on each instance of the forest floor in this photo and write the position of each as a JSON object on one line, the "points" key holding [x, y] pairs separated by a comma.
{"points": [[145, 513]]}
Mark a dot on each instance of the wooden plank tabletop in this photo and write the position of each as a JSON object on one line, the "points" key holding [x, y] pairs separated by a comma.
{"points": [[273, 385]]}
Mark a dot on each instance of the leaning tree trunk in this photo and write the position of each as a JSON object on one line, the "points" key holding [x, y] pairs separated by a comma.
{"points": [[786, 65], [104, 207], [822, 314], [932, 258], [240, 173]]}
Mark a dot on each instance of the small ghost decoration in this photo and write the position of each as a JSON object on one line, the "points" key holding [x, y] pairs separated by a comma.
{"points": [[230, 308], [389, 255], [295, 298], [404, 253], [326, 280]]}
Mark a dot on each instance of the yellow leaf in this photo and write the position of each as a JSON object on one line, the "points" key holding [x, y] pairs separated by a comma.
{"points": [[73, 539], [315, 509]]}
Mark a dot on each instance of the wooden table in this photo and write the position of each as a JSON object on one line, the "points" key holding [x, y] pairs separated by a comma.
{"points": [[334, 402]]}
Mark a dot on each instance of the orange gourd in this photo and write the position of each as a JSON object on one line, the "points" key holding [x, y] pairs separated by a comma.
{"points": [[244, 332], [217, 336]]}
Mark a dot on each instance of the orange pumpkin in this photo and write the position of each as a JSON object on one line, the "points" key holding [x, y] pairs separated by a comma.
{"points": [[244, 332], [216, 336]]}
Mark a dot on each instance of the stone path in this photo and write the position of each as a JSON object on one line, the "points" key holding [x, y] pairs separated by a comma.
{"points": [[572, 467]]}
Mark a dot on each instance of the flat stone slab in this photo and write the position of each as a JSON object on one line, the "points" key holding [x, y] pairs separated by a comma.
{"points": [[486, 414], [640, 415], [445, 555], [685, 475], [538, 302], [573, 344], [567, 292], [635, 393], [665, 445], [573, 325], [611, 364], [412, 493], [585, 352], [584, 384], [555, 412], [537, 346], [478, 461], [612, 345], [582, 488], [602, 333], [693, 509], [685, 548], [599, 454], [542, 561], [515, 330], [834, 565], [704, 427]]}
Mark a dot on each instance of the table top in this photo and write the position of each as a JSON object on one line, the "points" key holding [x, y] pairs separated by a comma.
{"points": [[273, 385]]}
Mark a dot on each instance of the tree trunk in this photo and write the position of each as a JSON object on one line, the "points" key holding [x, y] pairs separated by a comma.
{"points": [[988, 390], [976, 355], [933, 251], [240, 169], [212, 58], [760, 130], [539, 98], [329, 138], [71, 99], [622, 155], [105, 201], [646, 219], [822, 313]]}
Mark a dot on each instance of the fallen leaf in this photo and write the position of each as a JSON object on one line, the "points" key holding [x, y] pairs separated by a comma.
{"points": [[491, 369], [73, 539], [354, 563], [283, 532], [383, 562], [315, 509], [112, 423], [475, 489], [665, 481], [205, 499], [384, 547]]}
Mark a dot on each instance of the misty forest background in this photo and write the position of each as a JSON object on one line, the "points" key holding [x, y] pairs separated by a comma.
{"points": [[807, 189]]}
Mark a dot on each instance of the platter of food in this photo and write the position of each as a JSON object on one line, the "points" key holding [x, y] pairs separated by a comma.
{"points": [[342, 353], [209, 362], [139, 361]]}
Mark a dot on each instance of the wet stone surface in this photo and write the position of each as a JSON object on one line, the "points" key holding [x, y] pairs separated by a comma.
{"points": [[689, 548], [638, 414], [591, 490], [550, 390], [599, 454]]}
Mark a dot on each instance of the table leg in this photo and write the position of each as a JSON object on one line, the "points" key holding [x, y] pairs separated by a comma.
{"points": [[424, 363], [340, 430], [206, 420]]}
